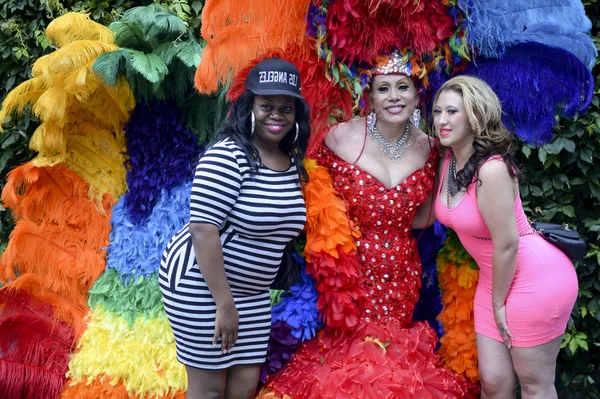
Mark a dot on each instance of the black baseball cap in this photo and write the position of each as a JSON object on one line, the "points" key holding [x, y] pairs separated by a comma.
{"points": [[274, 76]]}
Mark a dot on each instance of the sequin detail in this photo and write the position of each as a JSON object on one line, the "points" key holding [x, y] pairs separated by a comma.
{"points": [[387, 251]]}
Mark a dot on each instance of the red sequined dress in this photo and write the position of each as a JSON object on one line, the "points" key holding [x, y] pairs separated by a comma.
{"points": [[386, 355]]}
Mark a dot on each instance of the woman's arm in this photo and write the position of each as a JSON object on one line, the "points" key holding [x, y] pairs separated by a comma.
{"points": [[496, 197], [209, 255], [425, 216], [217, 184]]}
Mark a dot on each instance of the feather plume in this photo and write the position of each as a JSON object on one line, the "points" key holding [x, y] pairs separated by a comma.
{"points": [[93, 153], [495, 26], [156, 21], [82, 118], [140, 297], [534, 82], [420, 25], [242, 33], [141, 355], [205, 113], [25, 93], [58, 195], [66, 260], [136, 250], [151, 129], [77, 26], [31, 286], [70, 57], [103, 387], [35, 350]]}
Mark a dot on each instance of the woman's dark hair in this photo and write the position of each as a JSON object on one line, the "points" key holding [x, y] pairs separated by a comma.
{"points": [[237, 127], [484, 113]]}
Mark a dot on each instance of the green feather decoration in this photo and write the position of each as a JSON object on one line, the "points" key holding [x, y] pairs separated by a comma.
{"points": [[158, 55]]}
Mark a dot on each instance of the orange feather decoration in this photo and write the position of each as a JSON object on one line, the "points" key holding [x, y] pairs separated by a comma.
{"points": [[243, 33], [101, 387], [56, 194], [65, 259]]}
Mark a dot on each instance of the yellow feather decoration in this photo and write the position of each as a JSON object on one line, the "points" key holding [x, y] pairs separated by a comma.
{"points": [[25, 93], [141, 356], [71, 57], [96, 154], [82, 118], [76, 26]]}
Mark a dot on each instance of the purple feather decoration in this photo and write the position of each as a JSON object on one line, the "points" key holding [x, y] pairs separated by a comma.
{"points": [[282, 346], [534, 83], [430, 297], [163, 153]]}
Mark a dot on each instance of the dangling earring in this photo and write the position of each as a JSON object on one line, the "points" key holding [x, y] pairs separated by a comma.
{"points": [[252, 124], [416, 117], [372, 120], [297, 130]]}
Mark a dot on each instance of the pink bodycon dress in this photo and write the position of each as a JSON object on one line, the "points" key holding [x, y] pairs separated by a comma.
{"points": [[544, 288]]}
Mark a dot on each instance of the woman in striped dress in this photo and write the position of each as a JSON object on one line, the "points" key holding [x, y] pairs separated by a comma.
{"points": [[246, 205]]}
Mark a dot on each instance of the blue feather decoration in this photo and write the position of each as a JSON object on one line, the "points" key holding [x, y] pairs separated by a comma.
{"points": [[163, 152], [430, 297], [298, 307], [136, 249], [494, 26], [534, 83]]}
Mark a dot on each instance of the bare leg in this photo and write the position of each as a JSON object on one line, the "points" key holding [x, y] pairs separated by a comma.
{"points": [[205, 384], [536, 369], [498, 378], [242, 382]]}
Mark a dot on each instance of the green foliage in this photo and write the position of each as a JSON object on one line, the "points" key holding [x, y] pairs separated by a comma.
{"points": [[561, 184], [159, 56]]}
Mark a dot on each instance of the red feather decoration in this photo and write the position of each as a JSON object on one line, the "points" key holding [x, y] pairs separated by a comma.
{"points": [[68, 311], [384, 25], [35, 350]]}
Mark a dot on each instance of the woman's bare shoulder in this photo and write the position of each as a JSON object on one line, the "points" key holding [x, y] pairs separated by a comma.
{"points": [[342, 136]]}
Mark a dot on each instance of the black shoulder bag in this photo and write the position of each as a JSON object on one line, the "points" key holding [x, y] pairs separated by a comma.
{"points": [[568, 241]]}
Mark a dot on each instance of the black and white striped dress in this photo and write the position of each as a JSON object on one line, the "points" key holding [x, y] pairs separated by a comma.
{"points": [[257, 215]]}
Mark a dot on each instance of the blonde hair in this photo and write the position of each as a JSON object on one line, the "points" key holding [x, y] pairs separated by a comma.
{"points": [[484, 113]]}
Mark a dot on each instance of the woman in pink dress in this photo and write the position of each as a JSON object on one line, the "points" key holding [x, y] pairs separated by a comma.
{"points": [[527, 287]]}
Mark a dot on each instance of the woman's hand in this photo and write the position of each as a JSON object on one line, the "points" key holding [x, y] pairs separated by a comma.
{"points": [[226, 326], [500, 318]]}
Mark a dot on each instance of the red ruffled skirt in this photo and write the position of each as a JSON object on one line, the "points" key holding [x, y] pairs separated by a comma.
{"points": [[371, 361]]}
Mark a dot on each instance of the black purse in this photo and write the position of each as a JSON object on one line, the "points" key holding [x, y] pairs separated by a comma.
{"points": [[289, 269], [568, 241]]}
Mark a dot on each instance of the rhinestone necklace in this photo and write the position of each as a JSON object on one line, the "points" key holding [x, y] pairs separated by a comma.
{"points": [[392, 151], [452, 186]]}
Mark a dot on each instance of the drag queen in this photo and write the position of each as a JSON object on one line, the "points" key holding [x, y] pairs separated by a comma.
{"points": [[383, 168]]}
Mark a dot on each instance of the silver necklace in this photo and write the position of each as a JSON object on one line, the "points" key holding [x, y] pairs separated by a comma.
{"points": [[392, 150]]}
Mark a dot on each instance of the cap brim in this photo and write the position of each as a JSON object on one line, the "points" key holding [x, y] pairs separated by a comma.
{"points": [[276, 92]]}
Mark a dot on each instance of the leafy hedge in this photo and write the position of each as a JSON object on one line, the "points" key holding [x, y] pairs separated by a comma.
{"points": [[561, 179]]}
